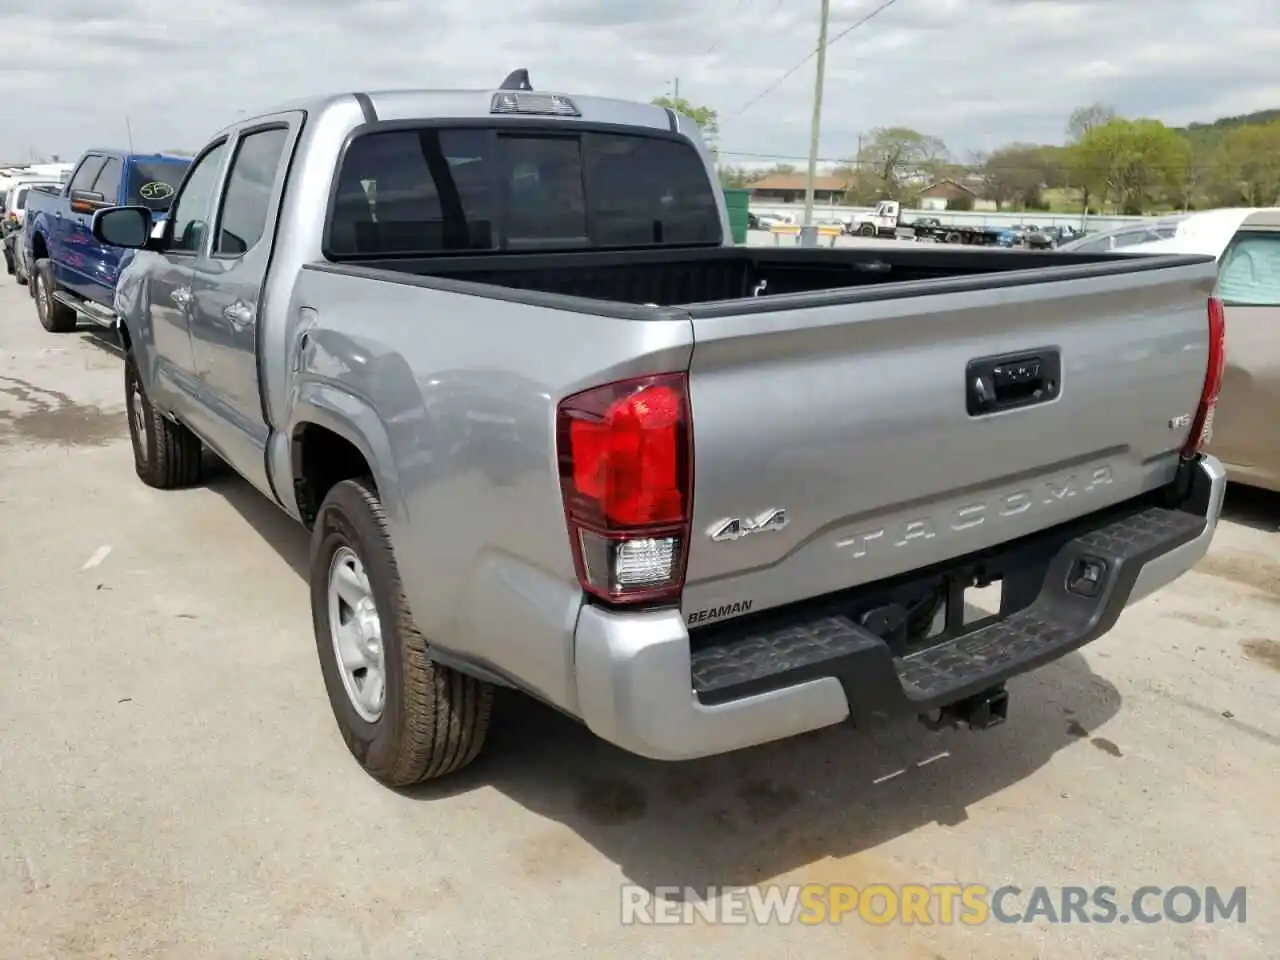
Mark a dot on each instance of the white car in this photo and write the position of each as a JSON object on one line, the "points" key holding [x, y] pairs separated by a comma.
{"points": [[13, 204]]}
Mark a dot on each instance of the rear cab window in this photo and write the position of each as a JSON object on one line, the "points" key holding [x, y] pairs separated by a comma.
{"points": [[433, 190], [1250, 271], [152, 183]]}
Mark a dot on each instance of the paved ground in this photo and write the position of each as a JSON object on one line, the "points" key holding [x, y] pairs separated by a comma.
{"points": [[172, 786]]}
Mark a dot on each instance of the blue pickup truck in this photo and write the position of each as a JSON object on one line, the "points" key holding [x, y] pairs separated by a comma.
{"points": [[73, 275]]}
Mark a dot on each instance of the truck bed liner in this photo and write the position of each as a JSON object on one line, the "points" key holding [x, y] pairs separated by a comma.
{"points": [[709, 276]]}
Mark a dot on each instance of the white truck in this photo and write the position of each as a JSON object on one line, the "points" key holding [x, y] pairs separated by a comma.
{"points": [[885, 221]]}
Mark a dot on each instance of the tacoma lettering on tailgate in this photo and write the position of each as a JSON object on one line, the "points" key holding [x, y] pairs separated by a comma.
{"points": [[976, 514]]}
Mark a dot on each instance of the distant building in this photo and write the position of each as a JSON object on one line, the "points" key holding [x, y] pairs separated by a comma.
{"points": [[941, 193], [790, 188]]}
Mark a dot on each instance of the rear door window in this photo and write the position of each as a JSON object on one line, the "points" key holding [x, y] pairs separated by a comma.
{"points": [[1250, 271], [246, 201], [435, 190]]}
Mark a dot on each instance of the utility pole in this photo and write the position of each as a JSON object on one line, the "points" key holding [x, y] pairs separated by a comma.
{"points": [[675, 88], [816, 130], [128, 129]]}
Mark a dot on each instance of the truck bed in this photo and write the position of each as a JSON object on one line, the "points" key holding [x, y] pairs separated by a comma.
{"points": [[706, 276]]}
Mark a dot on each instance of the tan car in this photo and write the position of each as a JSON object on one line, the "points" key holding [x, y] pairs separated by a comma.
{"points": [[1246, 241]]}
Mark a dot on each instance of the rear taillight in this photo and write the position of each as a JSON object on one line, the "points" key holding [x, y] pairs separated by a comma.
{"points": [[626, 471], [1202, 426]]}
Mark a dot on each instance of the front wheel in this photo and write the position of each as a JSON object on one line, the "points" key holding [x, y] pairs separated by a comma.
{"points": [[166, 455], [404, 718], [867, 230]]}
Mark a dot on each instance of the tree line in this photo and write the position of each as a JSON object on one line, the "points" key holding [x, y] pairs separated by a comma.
{"points": [[1107, 163]]}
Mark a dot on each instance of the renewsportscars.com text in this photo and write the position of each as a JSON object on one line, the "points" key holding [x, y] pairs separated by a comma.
{"points": [[930, 904]]}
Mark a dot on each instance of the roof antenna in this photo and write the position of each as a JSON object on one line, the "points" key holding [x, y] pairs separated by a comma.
{"points": [[517, 80]]}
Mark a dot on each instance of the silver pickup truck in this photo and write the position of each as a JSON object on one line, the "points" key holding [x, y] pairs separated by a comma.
{"points": [[551, 430]]}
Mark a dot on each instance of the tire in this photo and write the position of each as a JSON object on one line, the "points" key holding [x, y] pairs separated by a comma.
{"points": [[54, 316], [867, 230], [166, 455], [8, 263], [432, 720], [952, 237]]}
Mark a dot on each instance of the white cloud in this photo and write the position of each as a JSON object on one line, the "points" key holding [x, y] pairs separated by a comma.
{"points": [[975, 72]]}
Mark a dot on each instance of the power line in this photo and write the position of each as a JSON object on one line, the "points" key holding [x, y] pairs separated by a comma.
{"points": [[733, 13], [812, 53]]}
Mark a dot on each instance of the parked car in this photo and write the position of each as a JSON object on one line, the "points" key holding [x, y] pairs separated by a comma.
{"points": [[75, 276], [1246, 244], [577, 443], [766, 221], [1126, 236], [12, 215]]}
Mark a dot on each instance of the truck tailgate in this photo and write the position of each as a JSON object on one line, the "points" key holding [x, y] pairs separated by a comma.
{"points": [[837, 444]]}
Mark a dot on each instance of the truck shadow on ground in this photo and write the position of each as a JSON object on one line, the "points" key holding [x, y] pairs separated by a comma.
{"points": [[1252, 507], [815, 805], [812, 805]]}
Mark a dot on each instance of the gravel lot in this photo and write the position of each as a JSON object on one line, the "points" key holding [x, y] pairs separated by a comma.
{"points": [[173, 786]]}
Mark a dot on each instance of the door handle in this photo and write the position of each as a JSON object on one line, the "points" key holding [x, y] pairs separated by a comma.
{"points": [[238, 314], [1017, 380], [181, 296]]}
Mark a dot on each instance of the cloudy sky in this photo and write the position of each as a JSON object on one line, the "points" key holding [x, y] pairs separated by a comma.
{"points": [[975, 72]]}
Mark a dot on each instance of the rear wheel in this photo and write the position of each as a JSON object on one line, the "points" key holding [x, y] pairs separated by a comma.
{"points": [[166, 455], [404, 718], [54, 316], [953, 237]]}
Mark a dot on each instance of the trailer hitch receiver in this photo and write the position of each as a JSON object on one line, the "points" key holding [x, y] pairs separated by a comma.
{"points": [[982, 711]]}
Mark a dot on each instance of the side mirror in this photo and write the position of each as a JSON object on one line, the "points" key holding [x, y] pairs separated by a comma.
{"points": [[128, 227], [86, 201]]}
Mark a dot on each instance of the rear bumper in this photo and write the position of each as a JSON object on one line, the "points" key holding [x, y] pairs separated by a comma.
{"points": [[641, 688]]}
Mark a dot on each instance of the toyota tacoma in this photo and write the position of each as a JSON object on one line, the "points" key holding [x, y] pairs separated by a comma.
{"points": [[551, 430]]}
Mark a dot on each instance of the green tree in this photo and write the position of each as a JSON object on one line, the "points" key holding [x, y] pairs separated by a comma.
{"points": [[1131, 162], [1249, 164], [1083, 119], [893, 157], [1079, 123], [1016, 174], [706, 118]]}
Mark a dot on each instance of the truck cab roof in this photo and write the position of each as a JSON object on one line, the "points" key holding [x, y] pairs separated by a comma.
{"points": [[391, 105], [130, 155]]}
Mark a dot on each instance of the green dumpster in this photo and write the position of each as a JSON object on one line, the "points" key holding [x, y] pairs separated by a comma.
{"points": [[736, 200]]}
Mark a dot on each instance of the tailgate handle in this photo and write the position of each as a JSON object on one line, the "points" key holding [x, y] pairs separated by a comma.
{"points": [[1007, 382]]}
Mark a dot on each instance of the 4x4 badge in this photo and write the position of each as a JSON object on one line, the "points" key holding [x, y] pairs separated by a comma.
{"points": [[735, 528]]}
